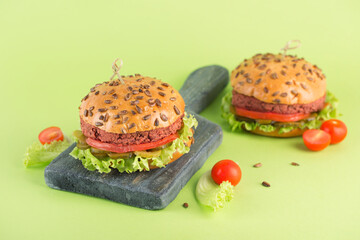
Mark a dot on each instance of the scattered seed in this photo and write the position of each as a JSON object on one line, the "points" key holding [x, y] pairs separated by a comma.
{"points": [[265, 184], [249, 80], [98, 124], [102, 109], [117, 122], [257, 81], [97, 92], [172, 99], [241, 72], [294, 65], [310, 78], [113, 107], [185, 205], [111, 91], [90, 114], [131, 126], [165, 84], [139, 97], [104, 93], [117, 116], [115, 96], [295, 164], [135, 92], [303, 86], [237, 74], [257, 165], [123, 112], [162, 94], [268, 71], [284, 94], [108, 101], [283, 72], [101, 117], [92, 89], [161, 88], [266, 90], [246, 75], [91, 108], [241, 83], [152, 83]]}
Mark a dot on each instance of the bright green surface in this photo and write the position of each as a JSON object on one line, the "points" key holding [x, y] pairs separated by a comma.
{"points": [[52, 52]]}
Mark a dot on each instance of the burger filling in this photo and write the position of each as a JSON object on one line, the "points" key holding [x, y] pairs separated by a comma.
{"points": [[134, 151], [242, 111]]}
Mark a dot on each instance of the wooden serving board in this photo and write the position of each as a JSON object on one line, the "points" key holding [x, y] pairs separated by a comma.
{"points": [[157, 188]]}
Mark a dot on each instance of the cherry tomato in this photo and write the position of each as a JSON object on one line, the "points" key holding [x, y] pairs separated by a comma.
{"points": [[226, 170], [129, 148], [51, 134], [271, 116], [336, 128], [316, 139]]}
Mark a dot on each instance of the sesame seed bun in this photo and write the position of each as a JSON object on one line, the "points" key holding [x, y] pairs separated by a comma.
{"points": [[278, 79], [141, 104]]}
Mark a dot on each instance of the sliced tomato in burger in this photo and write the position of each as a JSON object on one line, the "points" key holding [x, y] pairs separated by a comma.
{"points": [[130, 148], [271, 116]]}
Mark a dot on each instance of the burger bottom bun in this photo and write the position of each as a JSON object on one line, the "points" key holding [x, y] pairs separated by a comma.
{"points": [[176, 154], [293, 133]]}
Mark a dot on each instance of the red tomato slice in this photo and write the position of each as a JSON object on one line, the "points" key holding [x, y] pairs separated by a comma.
{"points": [[271, 116], [130, 148], [226, 170], [51, 134], [316, 139], [336, 128]]}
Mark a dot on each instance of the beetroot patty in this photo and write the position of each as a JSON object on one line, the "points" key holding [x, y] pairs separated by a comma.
{"points": [[93, 132], [253, 104]]}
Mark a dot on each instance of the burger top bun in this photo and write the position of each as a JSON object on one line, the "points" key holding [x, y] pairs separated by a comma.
{"points": [[141, 104], [279, 79]]}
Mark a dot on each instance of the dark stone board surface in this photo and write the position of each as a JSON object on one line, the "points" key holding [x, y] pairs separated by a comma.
{"points": [[158, 187]]}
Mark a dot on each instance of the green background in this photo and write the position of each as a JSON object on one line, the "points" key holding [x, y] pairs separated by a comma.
{"points": [[52, 52]]}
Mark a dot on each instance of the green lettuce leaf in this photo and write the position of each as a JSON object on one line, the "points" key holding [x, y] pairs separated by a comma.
{"points": [[211, 194], [38, 154], [138, 163], [328, 112]]}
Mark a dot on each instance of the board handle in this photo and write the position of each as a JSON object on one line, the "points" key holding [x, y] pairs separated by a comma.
{"points": [[203, 86]]}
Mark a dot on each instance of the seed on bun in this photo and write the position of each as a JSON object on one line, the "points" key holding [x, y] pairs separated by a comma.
{"points": [[275, 95]]}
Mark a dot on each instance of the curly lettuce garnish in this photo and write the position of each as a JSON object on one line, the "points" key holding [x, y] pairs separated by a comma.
{"points": [[328, 112], [138, 163], [211, 194], [38, 154]]}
